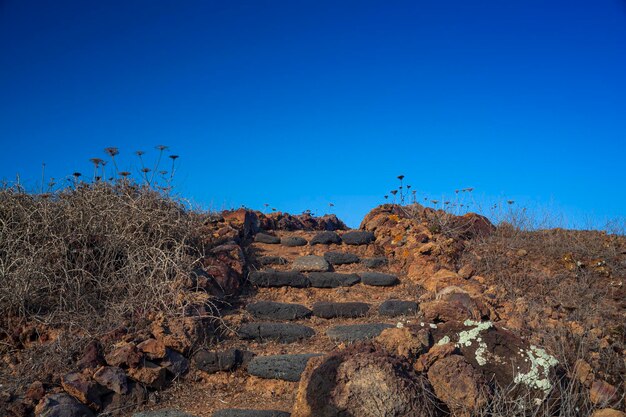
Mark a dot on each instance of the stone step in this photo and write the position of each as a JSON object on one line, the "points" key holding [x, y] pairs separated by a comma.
{"points": [[378, 279], [374, 262], [280, 332], [270, 310], [224, 361], [272, 260], [272, 278], [265, 238], [358, 237], [156, 413], [310, 263], [293, 241], [325, 238], [240, 412], [328, 310], [332, 279], [341, 258], [285, 367], [355, 332], [393, 308]]}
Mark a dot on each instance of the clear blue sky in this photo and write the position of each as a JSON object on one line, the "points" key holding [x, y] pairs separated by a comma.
{"points": [[301, 103]]}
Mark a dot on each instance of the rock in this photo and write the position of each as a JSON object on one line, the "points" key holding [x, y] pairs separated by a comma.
{"points": [[466, 272], [212, 362], [113, 378], [281, 332], [35, 392], [150, 374], [115, 404], [61, 405], [181, 333], [332, 279], [325, 238], [81, 386], [310, 263], [152, 348], [361, 383], [245, 220], [608, 412], [292, 241], [341, 258], [328, 310], [175, 363], [92, 356], [458, 385], [355, 332], [224, 266], [437, 352], [393, 308], [583, 372], [454, 306], [265, 238], [163, 413], [378, 279], [285, 367], [404, 342], [602, 392], [235, 412], [278, 279], [358, 237], [271, 260], [374, 262], [269, 310]]}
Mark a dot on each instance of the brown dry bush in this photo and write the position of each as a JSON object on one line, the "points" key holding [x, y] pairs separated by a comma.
{"points": [[93, 256]]}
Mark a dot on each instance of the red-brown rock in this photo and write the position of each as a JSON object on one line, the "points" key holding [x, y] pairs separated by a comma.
{"points": [[150, 374], [82, 387], [124, 354], [113, 378]]}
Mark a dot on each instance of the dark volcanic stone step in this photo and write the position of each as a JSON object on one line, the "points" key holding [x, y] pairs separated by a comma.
{"points": [[281, 332], [270, 310], [265, 238], [236, 412], [331, 310], [332, 279], [378, 279], [155, 413], [227, 360], [292, 241], [285, 367], [358, 237], [354, 332], [374, 262], [273, 278], [341, 258], [325, 238], [394, 308], [310, 263], [272, 260]]}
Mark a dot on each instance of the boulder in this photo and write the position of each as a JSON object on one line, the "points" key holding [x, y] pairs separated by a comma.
{"points": [[361, 382], [149, 374], [332, 279], [358, 237], [325, 238], [225, 266], [115, 404], [454, 306], [152, 348], [393, 308], [273, 278], [341, 258], [92, 356], [293, 241], [270, 310], [124, 354], [244, 220], [62, 405], [181, 333], [113, 378], [378, 279], [355, 332], [285, 367], [374, 262], [82, 386], [310, 263], [265, 238], [175, 363], [329, 310], [404, 342], [458, 385], [224, 361], [602, 392], [280, 332]]}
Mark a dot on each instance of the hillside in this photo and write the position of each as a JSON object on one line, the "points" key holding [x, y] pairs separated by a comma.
{"points": [[417, 313]]}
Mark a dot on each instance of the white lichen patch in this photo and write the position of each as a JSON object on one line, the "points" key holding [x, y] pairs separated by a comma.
{"points": [[467, 337], [538, 376], [432, 325], [443, 341]]}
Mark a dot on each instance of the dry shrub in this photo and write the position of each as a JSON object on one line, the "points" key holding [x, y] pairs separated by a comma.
{"points": [[94, 255]]}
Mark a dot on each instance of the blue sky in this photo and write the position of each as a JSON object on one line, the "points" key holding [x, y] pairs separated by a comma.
{"points": [[301, 103]]}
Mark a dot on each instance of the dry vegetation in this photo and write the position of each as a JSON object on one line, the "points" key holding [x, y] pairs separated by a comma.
{"points": [[89, 259]]}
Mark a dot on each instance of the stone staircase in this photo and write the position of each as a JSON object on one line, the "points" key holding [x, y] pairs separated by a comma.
{"points": [[309, 292]]}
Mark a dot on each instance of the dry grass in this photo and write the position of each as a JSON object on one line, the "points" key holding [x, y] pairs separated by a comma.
{"points": [[93, 256]]}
